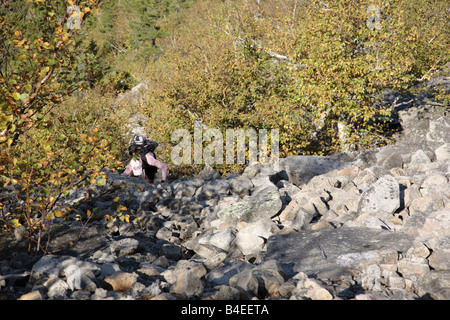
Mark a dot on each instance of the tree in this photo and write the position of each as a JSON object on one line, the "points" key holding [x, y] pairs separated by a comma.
{"points": [[49, 143], [40, 62], [314, 69]]}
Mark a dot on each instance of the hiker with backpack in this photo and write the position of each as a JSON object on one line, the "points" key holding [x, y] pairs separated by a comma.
{"points": [[144, 160]]}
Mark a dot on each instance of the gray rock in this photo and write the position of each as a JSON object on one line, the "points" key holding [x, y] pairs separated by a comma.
{"points": [[108, 269], [47, 266], [308, 288], [382, 198], [430, 226], [419, 157], [75, 240], [186, 188], [212, 189], [124, 247], [440, 258], [247, 283], [301, 169], [443, 153], [439, 132], [412, 266], [228, 293], [221, 239], [240, 185], [252, 239], [187, 284], [172, 251], [316, 253], [435, 285], [206, 251], [222, 274], [57, 288], [33, 295], [263, 204], [208, 173]]}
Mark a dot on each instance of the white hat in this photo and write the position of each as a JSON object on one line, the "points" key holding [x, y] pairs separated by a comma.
{"points": [[139, 140]]}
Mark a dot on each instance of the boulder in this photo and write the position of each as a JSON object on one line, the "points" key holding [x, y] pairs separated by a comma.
{"points": [[240, 185], [222, 274], [212, 189], [431, 226], [251, 239], [221, 239], [331, 253], [121, 281], [124, 247], [33, 295], [435, 285], [301, 169], [186, 188], [440, 258], [263, 204], [439, 132], [308, 288], [443, 153], [382, 198], [187, 283]]}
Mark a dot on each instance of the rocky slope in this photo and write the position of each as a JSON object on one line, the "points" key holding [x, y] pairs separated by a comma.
{"points": [[373, 224]]}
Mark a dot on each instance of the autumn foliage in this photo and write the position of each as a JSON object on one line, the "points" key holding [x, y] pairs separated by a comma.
{"points": [[315, 70], [50, 142]]}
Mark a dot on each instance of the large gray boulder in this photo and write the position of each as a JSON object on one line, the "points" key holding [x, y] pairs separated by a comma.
{"points": [[439, 132], [264, 203], [435, 285], [330, 253], [301, 169], [383, 197]]}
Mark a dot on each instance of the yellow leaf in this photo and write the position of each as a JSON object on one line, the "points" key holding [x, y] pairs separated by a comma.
{"points": [[16, 222], [59, 213]]}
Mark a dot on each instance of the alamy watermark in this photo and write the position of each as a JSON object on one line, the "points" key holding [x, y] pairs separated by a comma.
{"points": [[74, 20], [374, 21], [213, 153], [73, 274]]}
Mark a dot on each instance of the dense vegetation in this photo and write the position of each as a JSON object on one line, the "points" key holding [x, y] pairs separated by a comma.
{"points": [[315, 70]]}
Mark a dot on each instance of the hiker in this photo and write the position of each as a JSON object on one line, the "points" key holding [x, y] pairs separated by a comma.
{"points": [[144, 159]]}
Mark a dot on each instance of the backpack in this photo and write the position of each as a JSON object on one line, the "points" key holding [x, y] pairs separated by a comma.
{"points": [[142, 146]]}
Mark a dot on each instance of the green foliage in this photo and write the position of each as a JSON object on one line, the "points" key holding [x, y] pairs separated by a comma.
{"points": [[126, 35], [50, 142], [313, 69]]}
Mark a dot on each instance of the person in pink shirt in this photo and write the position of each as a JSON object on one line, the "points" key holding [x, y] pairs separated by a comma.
{"points": [[144, 160]]}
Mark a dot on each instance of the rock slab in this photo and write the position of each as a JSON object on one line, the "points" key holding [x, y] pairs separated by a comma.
{"points": [[331, 253]]}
